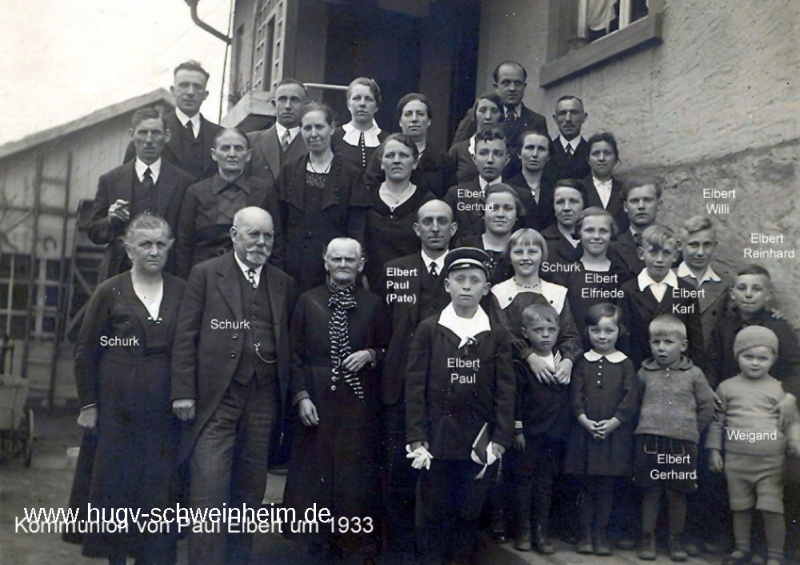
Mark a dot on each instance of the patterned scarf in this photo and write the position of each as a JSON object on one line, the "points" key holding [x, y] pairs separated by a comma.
{"points": [[342, 299]]}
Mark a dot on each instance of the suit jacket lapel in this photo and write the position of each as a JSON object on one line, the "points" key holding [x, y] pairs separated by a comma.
{"points": [[627, 251], [711, 293], [205, 142], [276, 298], [229, 286], [174, 144], [165, 188], [125, 186], [296, 148], [414, 285], [649, 302], [271, 149], [615, 202]]}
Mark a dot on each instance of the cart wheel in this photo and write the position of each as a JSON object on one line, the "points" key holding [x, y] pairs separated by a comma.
{"points": [[31, 437]]}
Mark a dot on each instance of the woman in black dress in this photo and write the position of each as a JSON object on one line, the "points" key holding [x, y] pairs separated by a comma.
{"points": [[603, 189], [123, 378], [321, 196], [390, 221], [534, 182], [563, 246], [359, 138], [338, 333]]}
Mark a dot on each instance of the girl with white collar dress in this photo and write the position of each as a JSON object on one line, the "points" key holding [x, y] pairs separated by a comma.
{"points": [[604, 402]]}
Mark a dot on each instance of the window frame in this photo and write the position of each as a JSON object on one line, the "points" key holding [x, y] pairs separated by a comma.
{"points": [[268, 43], [563, 63]]}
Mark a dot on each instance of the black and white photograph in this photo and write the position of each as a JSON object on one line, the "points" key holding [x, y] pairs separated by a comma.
{"points": [[400, 282]]}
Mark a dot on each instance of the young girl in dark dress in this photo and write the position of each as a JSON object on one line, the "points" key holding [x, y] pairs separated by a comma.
{"points": [[604, 401]]}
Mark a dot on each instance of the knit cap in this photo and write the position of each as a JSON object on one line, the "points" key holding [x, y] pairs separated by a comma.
{"points": [[753, 336]]}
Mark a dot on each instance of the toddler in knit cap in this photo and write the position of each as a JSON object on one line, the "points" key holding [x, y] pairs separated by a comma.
{"points": [[755, 438]]}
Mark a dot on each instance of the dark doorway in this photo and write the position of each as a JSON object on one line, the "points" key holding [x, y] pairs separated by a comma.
{"points": [[435, 54]]}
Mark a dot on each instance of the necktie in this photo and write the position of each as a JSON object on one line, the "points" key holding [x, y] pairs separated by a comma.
{"points": [[251, 277], [147, 189], [569, 149], [190, 127], [511, 121], [433, 271], [637, 237], [362, 145], [285, 140]]}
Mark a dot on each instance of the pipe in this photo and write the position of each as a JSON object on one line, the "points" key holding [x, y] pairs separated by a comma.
{"points": [[203, 25]]}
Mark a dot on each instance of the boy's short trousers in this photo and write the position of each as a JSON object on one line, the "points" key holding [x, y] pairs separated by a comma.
{"points": [[664, 461], [755, 481]]}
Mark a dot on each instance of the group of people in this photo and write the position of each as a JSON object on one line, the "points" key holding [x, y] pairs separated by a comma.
{"points": [[501, 331]]}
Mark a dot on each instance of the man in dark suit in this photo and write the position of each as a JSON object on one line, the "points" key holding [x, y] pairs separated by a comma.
{"points": [[189, 146], [570, 152], [641, 200], [230, 366], [420, 276], [147, 183], [282, 142], [509, 84], [434, 173]]}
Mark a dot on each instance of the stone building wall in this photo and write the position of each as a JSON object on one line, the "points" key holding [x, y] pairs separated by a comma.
{"points": [[715, 105]]}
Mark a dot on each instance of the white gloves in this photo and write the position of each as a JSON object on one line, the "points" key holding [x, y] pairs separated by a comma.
{"points": [[421, 457]]}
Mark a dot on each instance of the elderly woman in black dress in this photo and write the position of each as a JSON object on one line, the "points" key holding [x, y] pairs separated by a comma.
{"points": [[123, 378], [209, 206], [390, 221], [338, 333], [359, 138], [322, 196]]}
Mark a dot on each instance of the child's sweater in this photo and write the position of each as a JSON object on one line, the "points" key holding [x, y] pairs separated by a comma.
{"points": [[744, 424], [675, 403]]}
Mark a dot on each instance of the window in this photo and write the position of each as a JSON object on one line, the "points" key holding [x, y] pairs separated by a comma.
{"points": [[15, 272], [587, 32], [598, 18], [267, 47]]}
